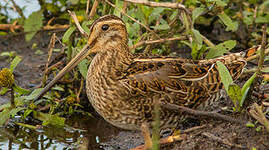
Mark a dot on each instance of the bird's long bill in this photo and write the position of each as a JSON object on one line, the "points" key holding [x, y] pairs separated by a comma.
{"points": [[78, 58]]}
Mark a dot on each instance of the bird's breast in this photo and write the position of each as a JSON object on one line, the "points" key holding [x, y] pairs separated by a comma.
{"points": [[104, 91]]}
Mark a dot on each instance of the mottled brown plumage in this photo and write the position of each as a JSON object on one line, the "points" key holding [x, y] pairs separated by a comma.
{"points": [[123, 87]]}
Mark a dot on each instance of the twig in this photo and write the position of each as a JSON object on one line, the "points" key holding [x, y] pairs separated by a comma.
{"points": [[124, 8], [73, 15], [155, 34], [79, 90], [262, 51], [87, 7], [56, 26], [258, 114], [194, 128], [208, 42], [221, 140], [50, 21], [157, 41], [202, 113], [13, 26], [167, 140], [252, 70], [94, 8], [54, 66], [254, 19], [51, 46], [156, 4]]}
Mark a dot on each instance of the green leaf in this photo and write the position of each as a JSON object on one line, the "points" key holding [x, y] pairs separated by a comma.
{"points": [[220, 3], [230, 25], [186, 22], [14, 111], [258, 129], [67, 34], [163, 25], [245, 88], [27, 125], [83, 68], [262, 19], [20, 90], [266, 70], [4, 116], [33, 94], [58, 88], [27, 112], [2, 33], [225, 76], [74, 2], [33, 24], [235, 94], [85, 25], [248, 17], [7, 112], [221, 48], [39, 52], [52, 8], [266, 57], [250, 125], [4, 106], [3, 90], [146, 10], [155, 14], [198, 36], [49, 119], [196, 13], [9, 54], [14, 63], [119, 4]]}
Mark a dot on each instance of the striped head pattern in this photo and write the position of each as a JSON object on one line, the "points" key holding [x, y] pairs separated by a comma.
{"points": [[107, 32]]}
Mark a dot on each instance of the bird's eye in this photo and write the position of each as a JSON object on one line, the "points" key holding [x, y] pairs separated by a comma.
{"points": [[105, 27]]}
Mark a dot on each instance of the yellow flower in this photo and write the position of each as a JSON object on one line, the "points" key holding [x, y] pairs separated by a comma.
{"points": [[80, 19], [32, 106], [6, 78], [70, 100]]}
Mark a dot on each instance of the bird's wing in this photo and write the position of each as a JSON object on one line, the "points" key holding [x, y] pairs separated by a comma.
{"points": [[175, 76]]}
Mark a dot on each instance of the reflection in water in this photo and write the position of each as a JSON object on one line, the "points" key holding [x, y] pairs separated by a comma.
{"points": [[28, 6], [84, 133]]}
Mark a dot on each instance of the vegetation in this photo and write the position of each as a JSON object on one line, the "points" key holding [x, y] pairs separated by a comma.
{"points": [[163, 28]]}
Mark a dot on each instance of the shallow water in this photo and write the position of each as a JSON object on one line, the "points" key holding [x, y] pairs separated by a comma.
{"points": [[81, 132], [28, 6]]}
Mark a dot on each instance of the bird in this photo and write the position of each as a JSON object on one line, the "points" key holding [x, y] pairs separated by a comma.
{"points": [[124, 87]]}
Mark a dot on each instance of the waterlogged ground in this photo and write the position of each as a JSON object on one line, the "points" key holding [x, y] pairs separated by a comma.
{"points": [[80, 132], [93, 133]]}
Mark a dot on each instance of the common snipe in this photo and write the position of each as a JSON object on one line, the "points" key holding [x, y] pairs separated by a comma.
{"points": [[123, 87]]}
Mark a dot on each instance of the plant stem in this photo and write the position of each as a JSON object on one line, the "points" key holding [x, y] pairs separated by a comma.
{"points": [[156, 127], [262, 52], [12, 101]]}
